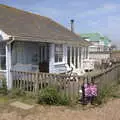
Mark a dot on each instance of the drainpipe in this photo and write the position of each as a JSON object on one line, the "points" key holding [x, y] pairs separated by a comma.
{"points": [[12, 38]]}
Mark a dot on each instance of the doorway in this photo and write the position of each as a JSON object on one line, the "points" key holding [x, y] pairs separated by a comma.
{"points": [[44, 58]]}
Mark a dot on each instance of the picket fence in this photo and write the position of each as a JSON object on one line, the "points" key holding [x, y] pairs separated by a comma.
{"points": [[65, 84]]}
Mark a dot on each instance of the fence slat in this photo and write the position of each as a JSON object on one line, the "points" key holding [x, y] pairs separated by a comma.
{"points": [[33, 82]]}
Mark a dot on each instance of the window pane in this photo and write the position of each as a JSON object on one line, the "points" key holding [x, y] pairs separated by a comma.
{"points": [[76, 57], [87, 53], [2, 52], [80, 56], [2, 63], [2, 56], [60, 59], [58, 53], [68, 56], [2, 49], [72, 55], [56, 58]]}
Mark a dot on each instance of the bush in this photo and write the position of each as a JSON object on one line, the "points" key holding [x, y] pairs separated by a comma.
{"points": [[64, 100], [52, 97], [105, 93], [3, 88], [16, 93]]}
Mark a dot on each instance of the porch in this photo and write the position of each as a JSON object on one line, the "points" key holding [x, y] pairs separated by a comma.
{"points": [[46, 57], [43, 57], [30, 56]]}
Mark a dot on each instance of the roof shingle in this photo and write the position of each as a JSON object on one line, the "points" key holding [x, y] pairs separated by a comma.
{"points": [[28, 26]]}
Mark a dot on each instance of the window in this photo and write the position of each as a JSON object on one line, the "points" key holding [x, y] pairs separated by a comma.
{"points": [[80, 56], [2, 56], [20, 52], [87, 52], [68, 56], [84, 53], [76, 58], [58, 53], [73, 55]]}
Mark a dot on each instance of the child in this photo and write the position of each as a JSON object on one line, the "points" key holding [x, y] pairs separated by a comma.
{"points": [[88, 93], [93, 88]]}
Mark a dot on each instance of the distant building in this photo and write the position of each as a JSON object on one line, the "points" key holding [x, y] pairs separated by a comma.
{"points": [[100, 48]]}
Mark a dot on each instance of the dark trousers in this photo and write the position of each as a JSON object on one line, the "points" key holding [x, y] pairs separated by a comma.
{"points": [[90, 99]]}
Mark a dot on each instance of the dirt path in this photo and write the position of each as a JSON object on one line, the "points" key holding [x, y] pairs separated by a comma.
{"points": [[109, 111]]}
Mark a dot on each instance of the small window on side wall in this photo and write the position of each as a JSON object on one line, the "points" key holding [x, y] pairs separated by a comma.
{"points": [[2, 57], [58, 53]]}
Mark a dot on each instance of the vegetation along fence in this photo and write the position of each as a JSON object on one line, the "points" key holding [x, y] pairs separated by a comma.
{"points": [[65, 84]]}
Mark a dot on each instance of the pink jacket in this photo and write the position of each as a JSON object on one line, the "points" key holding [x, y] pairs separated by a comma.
{"points": [[90, 90], [87, 91], [93, 90]]}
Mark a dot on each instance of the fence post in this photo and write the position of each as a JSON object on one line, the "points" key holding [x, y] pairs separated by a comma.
{"points": [[36, 83]]}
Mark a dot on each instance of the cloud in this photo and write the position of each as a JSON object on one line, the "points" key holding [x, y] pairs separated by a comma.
{"points": [[111, 6], [109, 26], [89, 15], [102, 10], [78, 4]]}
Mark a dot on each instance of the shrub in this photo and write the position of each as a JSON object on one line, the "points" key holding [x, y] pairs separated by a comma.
{"points": [[64, 100], [48, 96], [118, 81], [3, 88], [52, 97], [105, 93]]}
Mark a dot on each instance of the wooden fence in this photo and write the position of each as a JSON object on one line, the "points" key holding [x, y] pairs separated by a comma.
{"points": [[65, 84], [33, 82], [107, 76]]}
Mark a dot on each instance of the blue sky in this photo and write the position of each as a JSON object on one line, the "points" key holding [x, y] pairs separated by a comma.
{"points": [[90, 15]]}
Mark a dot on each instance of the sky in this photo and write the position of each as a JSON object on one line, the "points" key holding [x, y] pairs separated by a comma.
{"points": [[90, 15]]}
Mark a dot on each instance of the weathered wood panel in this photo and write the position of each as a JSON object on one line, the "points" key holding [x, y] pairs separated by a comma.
{"points": [[65, 84]]}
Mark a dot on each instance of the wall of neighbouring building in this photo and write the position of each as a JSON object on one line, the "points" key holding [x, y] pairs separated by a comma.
{"points": [[115, 55], [99, 56]]}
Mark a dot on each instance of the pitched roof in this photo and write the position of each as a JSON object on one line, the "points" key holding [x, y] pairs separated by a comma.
{"points": [[28, 26], [96, 37], [91, 36]]}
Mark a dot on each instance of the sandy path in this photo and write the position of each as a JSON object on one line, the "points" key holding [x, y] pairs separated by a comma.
{"points": [[109, 111]]}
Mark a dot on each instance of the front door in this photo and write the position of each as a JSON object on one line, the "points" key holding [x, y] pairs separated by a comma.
{"points": [[44, 58]]}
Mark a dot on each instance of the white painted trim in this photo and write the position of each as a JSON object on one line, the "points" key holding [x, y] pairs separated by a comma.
{"points": [[78, 58], [70, 55], [82, 52], [51, 57], [13, 39], [59, 63], [8, 66], [4, 36], [3, 71], [75, 57]]}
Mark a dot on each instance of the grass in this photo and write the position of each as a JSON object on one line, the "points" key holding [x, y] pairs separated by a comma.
{"points": [[108, 92], [17, 95], [4, 99], [116, 93]]}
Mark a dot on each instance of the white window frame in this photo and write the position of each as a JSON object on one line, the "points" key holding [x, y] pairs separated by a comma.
{"points": [[58, 52]]}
